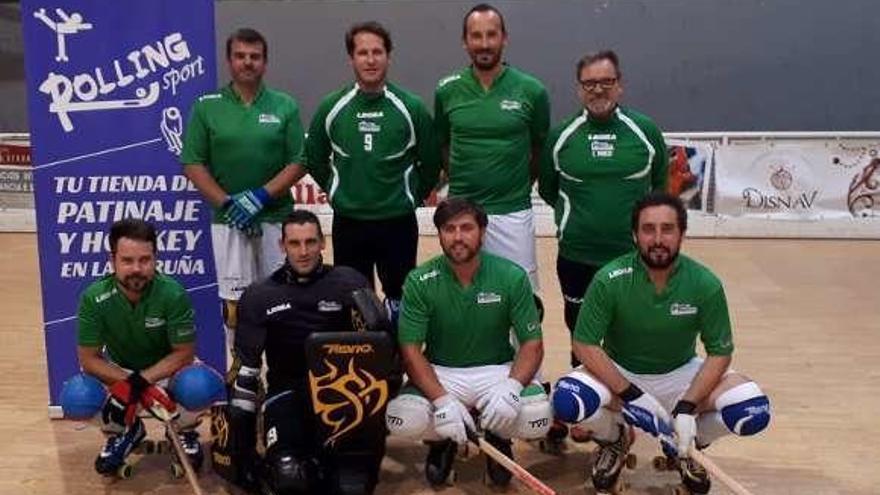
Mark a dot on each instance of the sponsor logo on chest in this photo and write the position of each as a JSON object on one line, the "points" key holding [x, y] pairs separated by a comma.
{"points": [[104, 296], [488, 298], [620, 271], [278, 308], [153, 322], [682, 309], [269, 118], [328, 306], [510, 105], [370, 115], [428, 275], [367, 126], [602, 145]]}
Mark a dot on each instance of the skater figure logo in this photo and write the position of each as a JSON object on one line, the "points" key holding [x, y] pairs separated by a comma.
{"points": [[343, 400], [863, 198], [162, 63]]}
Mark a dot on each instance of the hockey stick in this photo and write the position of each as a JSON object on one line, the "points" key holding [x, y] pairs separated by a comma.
{"points": [[188, 470], [519, 472], [716, 471]]}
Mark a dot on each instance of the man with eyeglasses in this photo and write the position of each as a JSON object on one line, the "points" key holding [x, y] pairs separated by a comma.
{"points": [[594, 167]]}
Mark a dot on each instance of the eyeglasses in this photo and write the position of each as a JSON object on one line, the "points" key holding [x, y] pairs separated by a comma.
{"points": [[591, 84]]}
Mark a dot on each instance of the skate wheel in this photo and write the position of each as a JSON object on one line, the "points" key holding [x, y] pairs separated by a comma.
{"points": [[176, 470], [660, 463], [125, 471], [148, 447], [631, 461]]}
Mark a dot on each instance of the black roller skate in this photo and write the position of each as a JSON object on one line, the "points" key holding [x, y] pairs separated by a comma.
{"points": [[611, 459], [438, 465], [554, 442], [498, 475], [693, 476], [189, 440], [118, 447]]}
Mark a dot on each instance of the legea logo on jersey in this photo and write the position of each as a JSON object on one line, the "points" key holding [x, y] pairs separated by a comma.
{"points": [[278, 308], [682, 309], [327, 306], [269, 118], [620, 271], [131, 80], [488, 298], [153, 322], [428, 276], [511, 105]]}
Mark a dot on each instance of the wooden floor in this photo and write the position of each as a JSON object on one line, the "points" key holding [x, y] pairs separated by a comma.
{"points": [[806, 324]]}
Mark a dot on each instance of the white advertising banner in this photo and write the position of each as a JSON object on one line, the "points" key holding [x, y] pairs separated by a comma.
{"points": [[798, 179]]}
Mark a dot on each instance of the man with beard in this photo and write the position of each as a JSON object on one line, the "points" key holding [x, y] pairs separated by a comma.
{"points": [[492, 120], [372, 147], [242, 150], [462, 307], [276, 316], [136, 330], [636, 337]]}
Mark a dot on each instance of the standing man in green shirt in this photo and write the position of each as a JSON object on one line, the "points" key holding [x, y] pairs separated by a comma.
{"points": [[462, 307], [242, 149], [372, 148], [135, 331], [492, 120], [594, 167], [636, 335]]}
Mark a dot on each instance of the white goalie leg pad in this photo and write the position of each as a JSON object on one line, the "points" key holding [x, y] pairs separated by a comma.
{"points": [[409, 416], [535, 414]]}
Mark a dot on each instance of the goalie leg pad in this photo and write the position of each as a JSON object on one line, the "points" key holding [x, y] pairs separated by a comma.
{"points": [[234, 445], [409, 415], [578, 397], [535, 415]]}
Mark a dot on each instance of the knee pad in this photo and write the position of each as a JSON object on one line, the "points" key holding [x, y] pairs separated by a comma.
{"points": [[578, 396], [230, 313], [197, 387], [408, 415], [535, 415], [290, 475], [82, 396], [744, 409]]}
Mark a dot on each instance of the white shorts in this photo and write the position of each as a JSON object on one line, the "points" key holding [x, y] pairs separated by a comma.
{"points": [[668, 388], [470, 384], [241, 260], [512, 236]]}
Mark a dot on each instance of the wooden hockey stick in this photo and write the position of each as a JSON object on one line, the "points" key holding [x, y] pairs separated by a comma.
{"points": [[188, 470], [717, 472], [518, 472]]}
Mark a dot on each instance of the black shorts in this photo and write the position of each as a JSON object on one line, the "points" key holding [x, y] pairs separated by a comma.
{"points": [[388, 245]]}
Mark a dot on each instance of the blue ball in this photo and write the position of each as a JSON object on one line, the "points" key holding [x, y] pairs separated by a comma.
{"points": [[197, 387], [82, 396]]}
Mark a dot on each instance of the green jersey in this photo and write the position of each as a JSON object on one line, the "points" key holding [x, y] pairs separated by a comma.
{"points": [[651, 333], [491, 134], [136, 337], [245, 146], [592, 174], [468, 326], [375, 154]]}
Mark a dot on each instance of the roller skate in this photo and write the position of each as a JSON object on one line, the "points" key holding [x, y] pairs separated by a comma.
{"points": [[496, 474], [694, 478], [554, 442], [111, 460], [438, 465], [610, 461], [189, 440]]}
